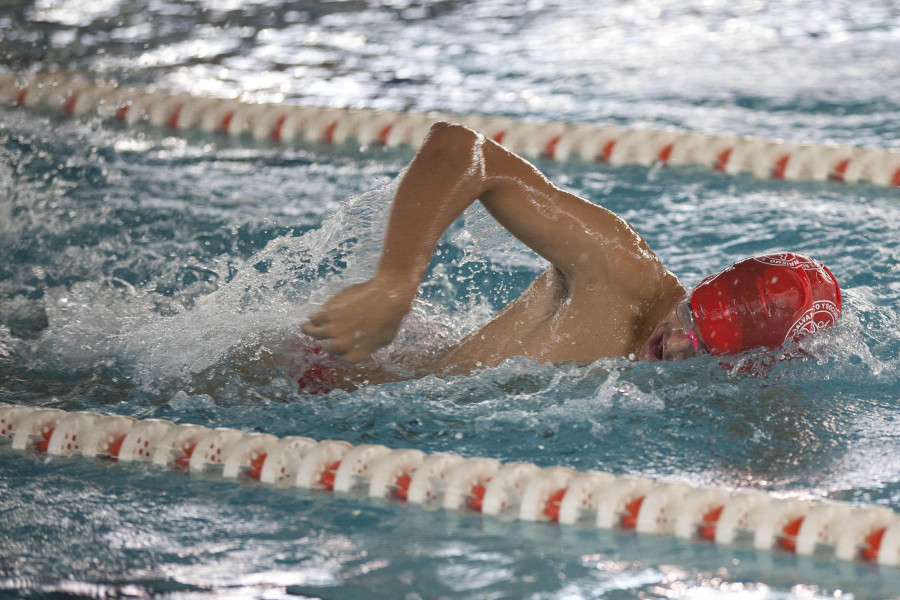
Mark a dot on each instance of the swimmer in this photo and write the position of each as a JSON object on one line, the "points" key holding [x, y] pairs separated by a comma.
{"points": [[605, 293]]}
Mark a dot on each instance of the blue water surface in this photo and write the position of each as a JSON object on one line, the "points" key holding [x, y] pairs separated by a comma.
{"points": [[154, 275]]}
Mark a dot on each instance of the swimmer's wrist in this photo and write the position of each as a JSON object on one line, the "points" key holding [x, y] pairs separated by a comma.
{"points": [[399, 288]]}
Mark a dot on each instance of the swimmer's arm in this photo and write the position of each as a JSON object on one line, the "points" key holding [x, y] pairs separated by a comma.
{"points": [[455, 167], [444, 178]]}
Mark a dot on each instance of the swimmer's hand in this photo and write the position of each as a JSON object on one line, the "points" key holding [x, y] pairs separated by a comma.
{"points": [[359, 319]]}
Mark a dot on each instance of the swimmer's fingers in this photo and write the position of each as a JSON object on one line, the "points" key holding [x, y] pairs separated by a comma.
{"points": [[341, 339], [356, 340], [325, 323], [340, 308], [317, 318], [352, 348], [353, 355], [317, 330], [358, 320]]}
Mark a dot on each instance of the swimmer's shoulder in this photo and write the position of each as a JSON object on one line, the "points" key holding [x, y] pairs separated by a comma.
{"points": [[634, 280]]}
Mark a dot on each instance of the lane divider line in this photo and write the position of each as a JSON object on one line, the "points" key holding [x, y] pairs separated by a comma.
{"points": [[518, 490], [73, 94]]}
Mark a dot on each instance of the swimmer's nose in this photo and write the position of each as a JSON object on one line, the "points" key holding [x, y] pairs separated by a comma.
{"points": [[679, 346]]}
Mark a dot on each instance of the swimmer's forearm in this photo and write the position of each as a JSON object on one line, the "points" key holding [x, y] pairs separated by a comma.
{"points": [[445, 177]]}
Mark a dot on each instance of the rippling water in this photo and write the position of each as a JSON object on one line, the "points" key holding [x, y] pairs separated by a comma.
{"points": [[151, 275]]}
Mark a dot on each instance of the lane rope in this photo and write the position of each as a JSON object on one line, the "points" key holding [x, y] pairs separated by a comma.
{"points": [[835, 530], [73, 94]]}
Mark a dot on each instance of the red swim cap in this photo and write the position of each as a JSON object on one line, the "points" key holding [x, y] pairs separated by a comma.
{"points": [[764, 301]]}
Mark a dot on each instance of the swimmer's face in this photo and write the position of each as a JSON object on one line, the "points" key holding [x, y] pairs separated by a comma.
{"points": [[676, 337]]}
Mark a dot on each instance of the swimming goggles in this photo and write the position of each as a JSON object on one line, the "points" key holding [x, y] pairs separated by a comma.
{"points": [[685, 315]]}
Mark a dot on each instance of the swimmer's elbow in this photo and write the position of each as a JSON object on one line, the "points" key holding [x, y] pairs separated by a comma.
{"points": [[452, 157], [450, 135]]}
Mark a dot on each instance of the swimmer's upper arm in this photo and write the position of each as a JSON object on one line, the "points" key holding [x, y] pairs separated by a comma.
{"points": [[586, 242]]}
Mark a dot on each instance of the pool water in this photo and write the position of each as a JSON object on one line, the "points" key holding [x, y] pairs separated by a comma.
{"points": [[154, 275]]}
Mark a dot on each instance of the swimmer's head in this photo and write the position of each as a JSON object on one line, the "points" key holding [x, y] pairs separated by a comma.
{"points": [[764, 301], [758, 302]]}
